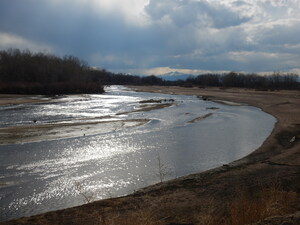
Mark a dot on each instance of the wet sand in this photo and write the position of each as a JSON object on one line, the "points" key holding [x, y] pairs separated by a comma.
{"points": [[6, 99], [186, 199], [200, 118], [46, 132]]}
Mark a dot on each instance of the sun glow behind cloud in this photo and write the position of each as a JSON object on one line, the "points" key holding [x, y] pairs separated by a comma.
{"points": [[131, 10]]}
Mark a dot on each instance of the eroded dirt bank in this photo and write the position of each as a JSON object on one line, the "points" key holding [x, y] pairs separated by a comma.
{"points": [[214, 196]]}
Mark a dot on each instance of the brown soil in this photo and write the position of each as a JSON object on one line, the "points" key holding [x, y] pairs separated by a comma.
{"points": [[209, 195]]}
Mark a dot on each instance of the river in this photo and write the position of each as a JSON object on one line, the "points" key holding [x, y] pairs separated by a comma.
{"points": [[132, 140]]}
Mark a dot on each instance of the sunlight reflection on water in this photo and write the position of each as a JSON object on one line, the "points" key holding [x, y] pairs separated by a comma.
{"points": [[115, 161]]}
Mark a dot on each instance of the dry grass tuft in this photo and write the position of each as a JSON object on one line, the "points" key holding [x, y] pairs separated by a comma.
{"points": [[139, 217], [271, 201]]}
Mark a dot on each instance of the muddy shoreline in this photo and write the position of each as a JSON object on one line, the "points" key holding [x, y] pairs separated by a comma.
{"points": [[186, 199]]}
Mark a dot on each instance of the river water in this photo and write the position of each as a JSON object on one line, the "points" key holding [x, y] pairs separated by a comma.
{"points": [[52, 174]]}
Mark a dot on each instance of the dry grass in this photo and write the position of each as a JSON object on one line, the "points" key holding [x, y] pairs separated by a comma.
{"points": [[246, 209], [269, 202], [250, 208], [137, 217]]}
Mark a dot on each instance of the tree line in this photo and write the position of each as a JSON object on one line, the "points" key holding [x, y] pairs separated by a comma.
{"points": [[233, 79], [24, 72]]}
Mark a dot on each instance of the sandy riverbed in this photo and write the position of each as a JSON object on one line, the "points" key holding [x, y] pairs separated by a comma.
{"points": [[192, 199], [37, 131], [43, 132]]}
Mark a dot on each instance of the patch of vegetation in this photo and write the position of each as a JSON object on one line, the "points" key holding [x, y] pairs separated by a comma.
{"points": [[270, 201], [245, 209]]}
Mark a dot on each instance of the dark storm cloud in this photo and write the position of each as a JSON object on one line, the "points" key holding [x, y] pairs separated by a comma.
{"points": [[74, 30]]}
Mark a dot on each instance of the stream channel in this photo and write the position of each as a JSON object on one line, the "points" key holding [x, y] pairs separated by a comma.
{"points": [[110, 145]]}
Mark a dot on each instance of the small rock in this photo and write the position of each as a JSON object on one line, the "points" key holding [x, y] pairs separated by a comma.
{"points": [[293, 139]]}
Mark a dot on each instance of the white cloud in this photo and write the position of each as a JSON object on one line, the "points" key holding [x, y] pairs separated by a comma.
{"points": [[235, 33], [13, 41], [132, 10], [292, 46], [245, 56], [200, 14], [263, 61], [295, 71]]}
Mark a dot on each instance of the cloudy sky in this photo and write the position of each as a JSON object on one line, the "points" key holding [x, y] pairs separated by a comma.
{"points": [[159, 36]]}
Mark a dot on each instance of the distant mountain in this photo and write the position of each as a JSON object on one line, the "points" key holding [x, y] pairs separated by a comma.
{"points": [[173, 76]]}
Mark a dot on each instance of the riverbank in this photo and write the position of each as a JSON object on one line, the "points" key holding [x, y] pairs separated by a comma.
{"points": [[9, 99], [214, 195]]}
